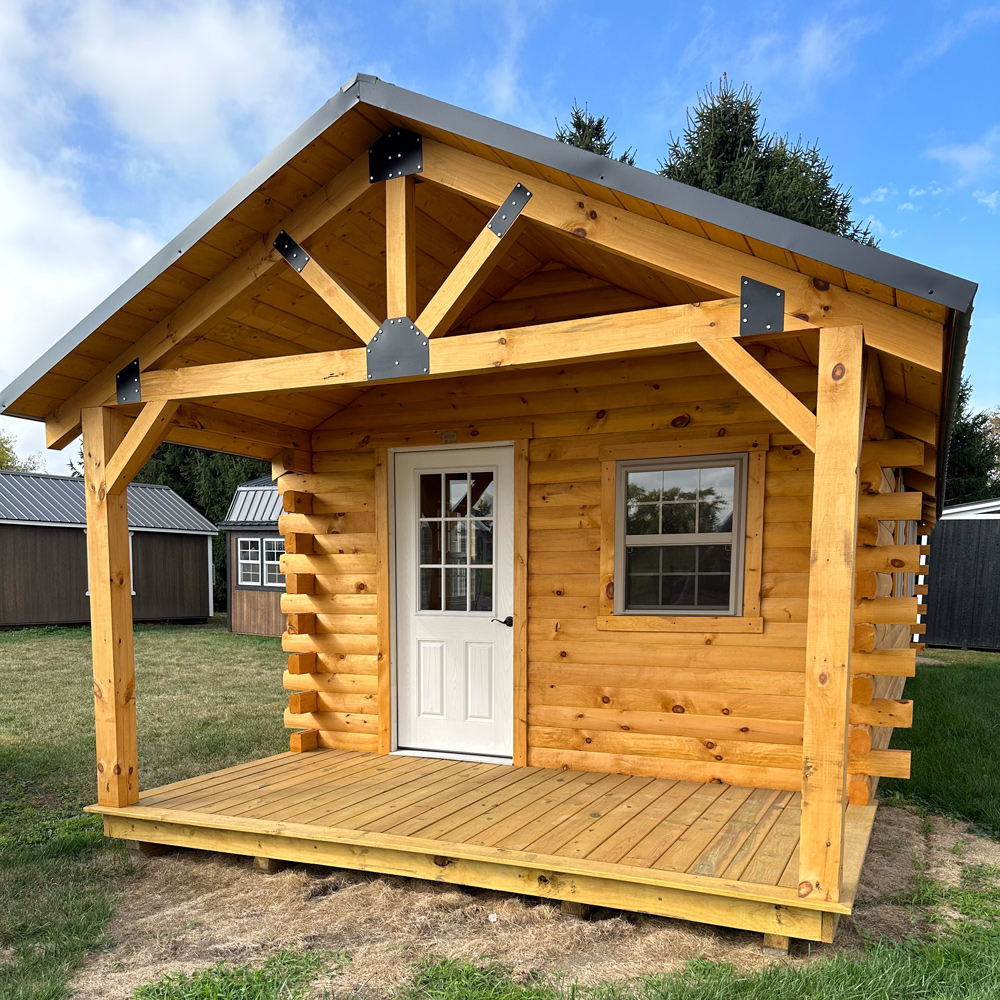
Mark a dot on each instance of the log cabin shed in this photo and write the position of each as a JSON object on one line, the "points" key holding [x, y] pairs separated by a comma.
{"points": [[592, 485], [43, 552], [254, 548]]}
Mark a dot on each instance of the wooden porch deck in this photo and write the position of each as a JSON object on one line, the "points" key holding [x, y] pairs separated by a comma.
{"points": [[716, 853]]}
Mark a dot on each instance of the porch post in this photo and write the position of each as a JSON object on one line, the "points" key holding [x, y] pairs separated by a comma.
{"points": [[110, 612], [830, 628]]}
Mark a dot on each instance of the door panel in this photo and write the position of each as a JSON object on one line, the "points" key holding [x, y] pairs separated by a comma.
{"points": [[454, 554]]}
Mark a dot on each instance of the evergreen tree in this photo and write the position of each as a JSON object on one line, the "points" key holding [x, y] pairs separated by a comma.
{"points": [[590, 132], [725, 150], [9, 459], [974, 457]]}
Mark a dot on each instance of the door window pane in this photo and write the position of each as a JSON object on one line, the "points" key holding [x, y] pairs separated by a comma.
{"points": [[456, 542], [430, 542], [456, 589], [456, 486], [430, 588], [430, 495], [481, 595], [482, 494], [481, 548]]}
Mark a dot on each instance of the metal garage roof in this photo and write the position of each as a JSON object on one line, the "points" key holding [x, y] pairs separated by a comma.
{"points": [[255, 504], [60, 501]]}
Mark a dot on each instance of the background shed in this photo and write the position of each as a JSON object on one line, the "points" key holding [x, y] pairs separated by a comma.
{"points": [[964, 596], [253, 548], [43, 553]]}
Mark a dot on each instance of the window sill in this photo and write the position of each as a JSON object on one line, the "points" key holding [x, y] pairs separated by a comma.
{"points": [[679, 623]]}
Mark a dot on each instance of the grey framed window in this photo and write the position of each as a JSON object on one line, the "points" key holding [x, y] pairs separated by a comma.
{"points": [[679, 535]]}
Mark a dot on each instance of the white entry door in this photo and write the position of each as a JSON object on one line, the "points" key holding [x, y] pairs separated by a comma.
{"points": [[454, 533]]}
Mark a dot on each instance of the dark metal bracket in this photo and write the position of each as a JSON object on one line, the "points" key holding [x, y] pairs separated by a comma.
{"points": [[398, 153], [127, 386], [291, 251], [762, 307], [397, 350], [508, 212]]}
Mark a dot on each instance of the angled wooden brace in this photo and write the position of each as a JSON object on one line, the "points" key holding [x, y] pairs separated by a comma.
{"points": [[472, 270], [765, 388], [354, 313], [138, 445]]}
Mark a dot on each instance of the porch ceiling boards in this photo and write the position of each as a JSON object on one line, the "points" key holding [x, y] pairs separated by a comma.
{"points": [[711, 852]]}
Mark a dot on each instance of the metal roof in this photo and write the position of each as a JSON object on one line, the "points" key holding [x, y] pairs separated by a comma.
{"points": [[980, 510], [254, 504], [897, 272], [60, 501]]}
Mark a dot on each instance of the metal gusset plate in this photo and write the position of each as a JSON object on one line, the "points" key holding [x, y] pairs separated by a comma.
{"points": [[762, 307], [397, 350], [511, 208], [291, 251], [127, 387], [397, 154]]}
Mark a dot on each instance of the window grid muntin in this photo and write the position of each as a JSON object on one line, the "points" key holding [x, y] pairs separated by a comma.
{"points": [[248, 556], [273, 550], [453, 576], [735, 539]]}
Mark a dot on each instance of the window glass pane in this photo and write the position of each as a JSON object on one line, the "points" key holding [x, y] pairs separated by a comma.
{"points": [[430, 590], [715, 558], [643, 519], [481, 598], [644, 486], [456, 586], [678, 591], [481, 550], [430, 495], [642, 591], [680, 484], [482, 494], [678, 518], [456, 486], [456, 541], [643, 559], [679, 558], [430, 541], [713, 591]]}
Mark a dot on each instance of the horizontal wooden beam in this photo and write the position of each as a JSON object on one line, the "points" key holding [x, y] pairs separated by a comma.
{"points": [[692, 258], [593, 338], [196, 313]]}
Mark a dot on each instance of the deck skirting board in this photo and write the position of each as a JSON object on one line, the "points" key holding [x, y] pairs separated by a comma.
{"points": [[685, 904]]}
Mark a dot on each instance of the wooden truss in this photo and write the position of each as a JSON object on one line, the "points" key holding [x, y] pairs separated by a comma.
{"points": [[845, 322]]}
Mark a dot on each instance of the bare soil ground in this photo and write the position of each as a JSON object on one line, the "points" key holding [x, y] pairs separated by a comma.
{"points": [[189, 910]]}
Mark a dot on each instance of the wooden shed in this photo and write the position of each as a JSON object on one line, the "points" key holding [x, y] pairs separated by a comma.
{"points": [[43, 553], [254, 548], [592, 485]]}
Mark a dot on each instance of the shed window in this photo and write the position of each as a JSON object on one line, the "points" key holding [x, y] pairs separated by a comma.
{"points": [[274, 549], [249, 562], [679, 535]]}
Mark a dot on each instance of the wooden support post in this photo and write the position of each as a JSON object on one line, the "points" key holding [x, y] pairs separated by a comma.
{"points": [[269, 866], [776, 945], [571, 910], [145, 849], [400, 248], [110, 579], [830, 628]]}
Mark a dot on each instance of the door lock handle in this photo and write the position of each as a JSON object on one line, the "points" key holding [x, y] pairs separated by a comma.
{"points": [[508, 621]]}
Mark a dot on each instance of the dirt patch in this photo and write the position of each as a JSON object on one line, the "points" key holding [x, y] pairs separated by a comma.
{"points": [[189, 910]]}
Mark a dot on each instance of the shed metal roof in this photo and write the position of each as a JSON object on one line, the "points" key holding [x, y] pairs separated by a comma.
{"points": [[256, 503], [896, 272], [60, 501], [977, 510]]}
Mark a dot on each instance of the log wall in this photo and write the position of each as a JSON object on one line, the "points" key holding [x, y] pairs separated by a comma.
{"points": [[700, 705]]}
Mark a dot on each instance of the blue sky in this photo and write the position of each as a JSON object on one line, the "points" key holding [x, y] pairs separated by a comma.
{"points": [[123, 120]]}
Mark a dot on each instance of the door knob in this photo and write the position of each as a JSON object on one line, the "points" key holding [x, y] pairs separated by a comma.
{"points": [[508, 621]]}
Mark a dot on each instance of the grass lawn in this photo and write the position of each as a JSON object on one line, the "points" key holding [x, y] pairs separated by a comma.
{"points": [[207, 699]]}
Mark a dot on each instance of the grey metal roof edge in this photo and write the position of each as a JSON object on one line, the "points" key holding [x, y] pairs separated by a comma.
{"points": [[237, 525], [956, 362], [314, 126], [956, 293], [918, 279]]}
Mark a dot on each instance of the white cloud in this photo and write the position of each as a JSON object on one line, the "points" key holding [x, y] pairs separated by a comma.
{"points": [[880, 229], [970, 160], [943, 36], [989, 200], [878, 195], [916, 192], [907, 206]]}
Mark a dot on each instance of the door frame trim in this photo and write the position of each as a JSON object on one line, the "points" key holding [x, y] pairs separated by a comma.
{"points": [[385, 495]]}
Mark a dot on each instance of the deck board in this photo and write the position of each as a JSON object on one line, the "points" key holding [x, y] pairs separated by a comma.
{"points": [[662, 842]]}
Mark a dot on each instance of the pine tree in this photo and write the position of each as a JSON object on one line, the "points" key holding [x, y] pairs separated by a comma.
{"points": [[974, 458], [724, 149], [590, 132]]}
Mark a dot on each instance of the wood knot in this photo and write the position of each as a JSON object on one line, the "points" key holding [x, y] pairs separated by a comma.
{"points": [[558, 593], [601, 414], [744, 729], [725, 711], [502, 341], [709, 745], [473, 433], [606, 700], [581, 232], [361, 586], [820, 285], [823, 677], [593, 214], [625, 729], [100, 768], [681, 421], [587, 739], [805, 888], [897, 563], [562, 653], [802, 316], [718, 756], [839, 371], [543, 880], [442, 862], [609, 590], [117, 769], [677, 709]]}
